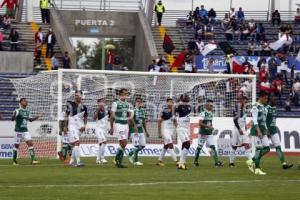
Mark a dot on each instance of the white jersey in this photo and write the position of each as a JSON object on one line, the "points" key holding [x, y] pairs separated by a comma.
{"points": [[102, 119], [240, 116], [76, 113], [168, 119]]}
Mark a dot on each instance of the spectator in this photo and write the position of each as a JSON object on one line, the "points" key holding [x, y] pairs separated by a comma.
{"points": [[1, 39], [272, 63], [249, 70], [163, 65], [44, 6], [159, 9], [66, 61], [288, 107], [278, 84], [208, 32], [262, 62], [232, 13], [295, 92], [284, 69], [11, 6], [38, 52], [151, 67], [251, 48], [257, 49], [266, 51], [6, 22], [189, 64], [50, 42], [229, 33], [189, 19], [212, 16], [260, 32], [297, 16], [276, 18], [39, 35], [240, 16], [252, 25], [199, 30], [155, 67], [263, 74], [245, 32], [54, 62], [225, 22], [210, 65], [246, 63], [196, 13], [203, 13], [14, 39]]}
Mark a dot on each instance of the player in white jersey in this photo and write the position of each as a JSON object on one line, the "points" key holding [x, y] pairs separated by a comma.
{"points": [[239, 137], [166, 128], [183, 112], [77, 119], [101, 115]]}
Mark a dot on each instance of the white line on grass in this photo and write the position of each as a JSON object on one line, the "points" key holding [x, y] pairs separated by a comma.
{"points": [[145, 183]]}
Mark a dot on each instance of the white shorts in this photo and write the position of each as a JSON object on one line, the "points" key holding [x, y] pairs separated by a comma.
{"points": [[167, 136], [183, 134], [74, 135], [101, 135], [237, 139], [264, 142], [209, 139], [22, 136], [275, 139], [138, 139], [121, 131]]}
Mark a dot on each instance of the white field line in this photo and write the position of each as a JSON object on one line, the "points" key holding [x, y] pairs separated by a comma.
{"points": [[149, 183]]}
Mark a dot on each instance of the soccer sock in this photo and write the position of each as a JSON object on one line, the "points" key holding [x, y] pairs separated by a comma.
{"points": [[102, 151], [280, 154], [77, 154], [162, 154], [265, 150], [64, 151], [136, 153], [119, 155], [173, 155], [248, 153], [257, 157], [31, 153], [15, 154], [183, 155], [73, 158], [214, 153], [232, 155], [198, 150]]}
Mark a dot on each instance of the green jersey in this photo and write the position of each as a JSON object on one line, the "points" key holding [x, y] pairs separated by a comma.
{"points": [[139, 117], [22, 116], [206, 117], [259, 115], [121, 109], [271, 120]]}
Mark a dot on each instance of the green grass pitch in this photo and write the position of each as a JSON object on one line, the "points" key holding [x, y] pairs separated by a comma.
{"points": [[52, 180]]}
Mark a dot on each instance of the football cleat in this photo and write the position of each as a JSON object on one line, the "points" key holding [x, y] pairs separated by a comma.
{"points": [[182, 166], [80, 164], [15, 163], [160, 163], [73, 164], [138, 163], [287, 166], [219, 164], [231, 165], [177, 163], [103, 161], [196, 164], [98, 162], [259, 172], [34, 162], [250, 165], [131, 159], [119, 165]]}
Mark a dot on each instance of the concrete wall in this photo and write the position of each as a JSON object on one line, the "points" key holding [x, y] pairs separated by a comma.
{"points": [[113, 24], [20, 62]]}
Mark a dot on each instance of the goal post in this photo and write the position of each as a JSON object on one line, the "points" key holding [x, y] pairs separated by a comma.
{"points": [[48, 92]]}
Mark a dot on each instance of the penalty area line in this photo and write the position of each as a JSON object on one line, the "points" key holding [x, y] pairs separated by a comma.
{"points": [[147, 183]]}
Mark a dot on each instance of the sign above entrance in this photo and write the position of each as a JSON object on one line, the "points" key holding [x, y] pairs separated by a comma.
{"points": [[94, 22]]}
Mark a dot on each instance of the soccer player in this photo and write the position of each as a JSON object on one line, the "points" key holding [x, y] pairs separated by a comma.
{"points": [[121, 115], [21, 116], [77, 115], [101, 115], [259, 132], [66, 147], [273, 131], [183, 112], [166, 128], [206, 134], [239, 136], [138, 138]]}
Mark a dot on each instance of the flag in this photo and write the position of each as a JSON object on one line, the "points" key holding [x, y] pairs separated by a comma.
{"points": [[168, 44], [236, 66], [279, 43], [208, 48], [178, 62], [226, 48]]}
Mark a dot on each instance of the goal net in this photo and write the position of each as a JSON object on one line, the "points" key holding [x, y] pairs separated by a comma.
{"points": [[48, 93]]}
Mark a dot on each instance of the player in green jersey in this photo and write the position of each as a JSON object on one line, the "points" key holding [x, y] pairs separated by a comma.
{"points": [[273, 131], [21, 116], [121, 115], [138, 138], [206, 134], [259, 133]]}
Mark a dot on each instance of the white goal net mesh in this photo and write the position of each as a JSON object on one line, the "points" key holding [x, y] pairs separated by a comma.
{"points": [[44, 96]]}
